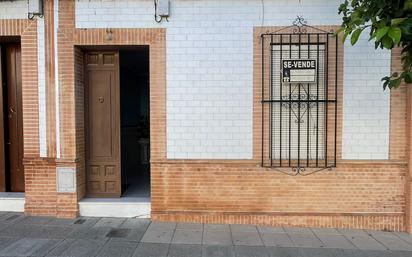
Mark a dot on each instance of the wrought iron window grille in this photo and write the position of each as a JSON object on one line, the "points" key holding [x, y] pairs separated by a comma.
{"points": [[299, 119]]}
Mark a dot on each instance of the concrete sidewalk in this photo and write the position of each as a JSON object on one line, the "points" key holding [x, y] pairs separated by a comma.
{"points": [[39, 236]]}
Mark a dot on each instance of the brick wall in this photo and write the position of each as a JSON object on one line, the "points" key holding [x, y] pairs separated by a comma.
{"points": [[372, 195], [40, 180], [27, 31]]}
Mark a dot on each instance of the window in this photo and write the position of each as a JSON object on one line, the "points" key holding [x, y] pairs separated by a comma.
{"points": [[299, 99]]}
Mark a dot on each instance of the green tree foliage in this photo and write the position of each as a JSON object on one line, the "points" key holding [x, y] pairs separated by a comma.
{"points": [[390, 24]]}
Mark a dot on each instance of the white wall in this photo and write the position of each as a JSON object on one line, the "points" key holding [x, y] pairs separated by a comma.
{"points": [[16, 9], [210, 72], [41, 60], [366, 106]]}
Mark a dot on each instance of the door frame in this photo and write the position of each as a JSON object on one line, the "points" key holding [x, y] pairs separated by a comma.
{"points": [[6, 182], [2, 142], [17, 180]]}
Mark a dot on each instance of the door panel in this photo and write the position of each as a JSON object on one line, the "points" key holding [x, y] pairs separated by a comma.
{"points": [[103, 121], [2, 151], [15, 121]]}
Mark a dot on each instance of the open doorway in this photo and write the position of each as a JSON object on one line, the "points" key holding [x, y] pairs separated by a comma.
{"points": [[134, 122], [117, 123], [11, 117]]}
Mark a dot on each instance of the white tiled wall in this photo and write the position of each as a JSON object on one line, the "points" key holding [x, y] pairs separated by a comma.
{"points": [[16, 9], [366, 106], [210, 72]]}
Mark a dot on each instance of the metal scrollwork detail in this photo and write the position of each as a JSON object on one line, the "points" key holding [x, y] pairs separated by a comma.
{"points": [[301, 171], [300, 25]]}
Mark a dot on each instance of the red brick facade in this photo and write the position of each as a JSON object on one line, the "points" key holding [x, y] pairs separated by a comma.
{"points": [[357, 194]]}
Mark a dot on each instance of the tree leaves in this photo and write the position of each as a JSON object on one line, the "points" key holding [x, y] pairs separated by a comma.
{"points": [[355, 36], [397, 21], [395, 33], [408, 5], [390, 25], [381, 32]]}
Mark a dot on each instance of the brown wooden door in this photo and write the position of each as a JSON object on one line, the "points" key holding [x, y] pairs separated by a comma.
{"points": [[102, 124], [2, 150], [14, 112]]}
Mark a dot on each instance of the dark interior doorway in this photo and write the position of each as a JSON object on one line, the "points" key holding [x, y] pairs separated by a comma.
{"points": [[11, 121], [134, 120]]}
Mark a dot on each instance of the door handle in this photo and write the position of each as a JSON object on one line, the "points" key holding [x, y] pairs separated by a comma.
{"points": [[11, 111]]}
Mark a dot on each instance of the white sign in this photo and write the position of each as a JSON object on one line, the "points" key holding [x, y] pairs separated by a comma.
{"points": [[299, 71]]}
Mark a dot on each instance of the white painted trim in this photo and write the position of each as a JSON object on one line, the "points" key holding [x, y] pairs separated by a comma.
{"points": [[125, 207], [56, 77], [12, 202], [41, 66]]}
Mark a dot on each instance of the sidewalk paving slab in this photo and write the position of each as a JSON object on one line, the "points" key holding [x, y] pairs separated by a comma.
{"points": [[283, 251], [89, 233], [190, 237], [353, 232], [6, 241], [298, 230], [110, 222], [216, 237], [158, 236], [306, 240], [242, 228], [325, 231], [185, 251], [317, 252], [118, 249], [29, 247], [392, 242], [247, 238], [251, 251], [151, 250], [404, 236], [218, 251], [121, 237], [277, 239], [138, 224], [162, 226], [77, 248], [336, 241], [133, 235], [366, 243], [34, 220]]}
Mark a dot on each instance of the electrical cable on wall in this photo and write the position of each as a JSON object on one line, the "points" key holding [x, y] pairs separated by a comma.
{"points": [[156, 17], [263, 12]]}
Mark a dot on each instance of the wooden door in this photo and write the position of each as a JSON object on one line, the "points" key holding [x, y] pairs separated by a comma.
{"points": [[2, 150], [102, 124], [15, 121]]}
